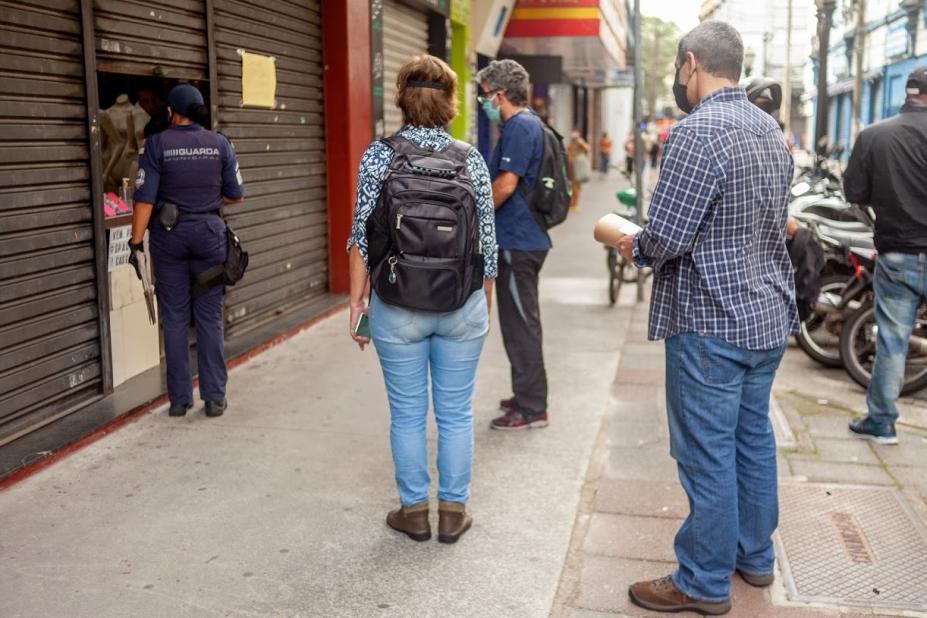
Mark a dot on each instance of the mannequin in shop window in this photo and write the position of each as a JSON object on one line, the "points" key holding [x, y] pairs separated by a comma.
{"points": [[121, 127]]}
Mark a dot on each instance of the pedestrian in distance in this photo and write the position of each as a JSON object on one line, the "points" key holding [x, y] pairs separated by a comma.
{"points": [[605, 153], [653, 149], [629, 155], [185, 176], [886, 171], [523, 242], [723, 301], [578, 152], [424, 242]]}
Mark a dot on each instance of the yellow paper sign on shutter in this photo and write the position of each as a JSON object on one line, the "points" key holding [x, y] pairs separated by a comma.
{"points": [[258, 80]]}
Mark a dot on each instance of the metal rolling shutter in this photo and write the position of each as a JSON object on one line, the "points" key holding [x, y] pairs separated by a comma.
{"points": [[137, 37], [49, 335], [405, 34], [284, 221]]}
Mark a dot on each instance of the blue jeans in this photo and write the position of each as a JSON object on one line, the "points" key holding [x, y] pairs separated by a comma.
{"points": [[717, 401], [900, 287], [408, 342]]}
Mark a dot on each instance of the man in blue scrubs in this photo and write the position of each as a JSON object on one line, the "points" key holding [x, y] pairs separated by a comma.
{"points": [[523, 243], [195, 170]]}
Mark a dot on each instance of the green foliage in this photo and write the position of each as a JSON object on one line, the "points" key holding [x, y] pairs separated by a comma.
{"points": [[658, 52]]}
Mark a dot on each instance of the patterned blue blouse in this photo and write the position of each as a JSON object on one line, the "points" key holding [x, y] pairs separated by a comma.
{"points": [[374, 165]]}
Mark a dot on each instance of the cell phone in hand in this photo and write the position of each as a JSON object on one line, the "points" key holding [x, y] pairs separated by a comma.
{"points": [[362, 328]]}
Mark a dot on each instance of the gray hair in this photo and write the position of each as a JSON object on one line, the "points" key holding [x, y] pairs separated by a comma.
{"points": [[717, 46], [507, 76]]}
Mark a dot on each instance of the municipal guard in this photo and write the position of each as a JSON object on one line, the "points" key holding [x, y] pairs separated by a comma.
{"points": [[185, 175]]}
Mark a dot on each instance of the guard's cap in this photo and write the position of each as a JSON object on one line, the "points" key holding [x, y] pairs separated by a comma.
{"points": [[917, 81], [181, 97]]}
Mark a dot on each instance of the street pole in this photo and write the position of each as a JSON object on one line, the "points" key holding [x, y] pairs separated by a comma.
{"points": [[858, 85], [638, 139], [767, 37], [786, 114], [825, 14]]}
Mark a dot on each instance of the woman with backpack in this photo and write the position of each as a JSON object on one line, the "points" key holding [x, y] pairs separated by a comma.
{"points": [[424, 243]]}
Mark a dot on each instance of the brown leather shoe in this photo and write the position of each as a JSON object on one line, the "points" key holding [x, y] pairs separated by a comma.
{"points": [[453, 521], [662, 595], [411, 521], [757, 580]]}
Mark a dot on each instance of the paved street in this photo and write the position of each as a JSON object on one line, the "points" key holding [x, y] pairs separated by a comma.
{"points": [[277, 508]]}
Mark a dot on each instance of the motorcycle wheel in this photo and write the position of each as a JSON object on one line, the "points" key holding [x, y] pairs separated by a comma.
{"points": [[615, 275], [815, 338], [858, 349]]}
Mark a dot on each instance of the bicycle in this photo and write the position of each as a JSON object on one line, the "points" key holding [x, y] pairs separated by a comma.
{"points": [[620, 270]]}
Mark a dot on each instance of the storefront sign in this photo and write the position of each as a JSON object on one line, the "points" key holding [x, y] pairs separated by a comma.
{"points": [[258, 80], [119, 238]]}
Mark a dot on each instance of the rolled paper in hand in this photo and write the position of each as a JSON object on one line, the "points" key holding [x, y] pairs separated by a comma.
{"points": [[611, 228]]}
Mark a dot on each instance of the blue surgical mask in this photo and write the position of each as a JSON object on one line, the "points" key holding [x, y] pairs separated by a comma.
{"points": [[493, 113]]}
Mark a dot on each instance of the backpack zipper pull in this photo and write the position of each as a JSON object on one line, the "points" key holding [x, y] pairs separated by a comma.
{"points": [[392, 268], [398, 220]]}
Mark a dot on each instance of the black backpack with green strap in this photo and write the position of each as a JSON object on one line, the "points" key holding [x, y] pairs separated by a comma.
{"points": [[552, 193]]}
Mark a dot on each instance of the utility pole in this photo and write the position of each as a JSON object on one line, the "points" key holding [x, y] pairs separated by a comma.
{"points": [[767, 37], [786, 113], [825, 15], [638, 139], [858, 85]]}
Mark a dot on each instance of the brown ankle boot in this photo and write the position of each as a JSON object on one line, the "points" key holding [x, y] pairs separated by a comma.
{"points": [[412, 521], [453, 521]]}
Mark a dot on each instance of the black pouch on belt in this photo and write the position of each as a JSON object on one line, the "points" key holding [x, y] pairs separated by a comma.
{"points": [[228, 273], [168, 216]]}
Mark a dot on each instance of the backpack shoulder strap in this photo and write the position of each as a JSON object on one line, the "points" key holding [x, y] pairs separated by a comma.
{"points": [[459, 151], [399, 145]]}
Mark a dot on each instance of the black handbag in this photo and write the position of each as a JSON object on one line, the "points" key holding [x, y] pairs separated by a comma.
{"points": [[228, 273]]}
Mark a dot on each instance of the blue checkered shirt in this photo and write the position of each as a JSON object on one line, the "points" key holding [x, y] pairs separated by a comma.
{"points": [[716, 236]]}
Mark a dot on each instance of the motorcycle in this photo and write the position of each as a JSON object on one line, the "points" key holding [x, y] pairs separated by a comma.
{"points": [[845, 286], [843, 329]]}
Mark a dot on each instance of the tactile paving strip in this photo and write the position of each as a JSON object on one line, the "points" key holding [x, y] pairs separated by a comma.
{"points": [[855, 546]]}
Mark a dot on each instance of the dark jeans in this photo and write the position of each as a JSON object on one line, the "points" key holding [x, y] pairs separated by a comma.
{"points": [[197, 243], [520, 322], [717, 403]]}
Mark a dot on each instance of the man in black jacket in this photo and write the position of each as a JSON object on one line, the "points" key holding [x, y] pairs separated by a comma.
{"points": [[887, 171]]}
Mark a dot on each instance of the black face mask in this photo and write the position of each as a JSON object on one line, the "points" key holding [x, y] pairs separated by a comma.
{"points": [[680, 92]]}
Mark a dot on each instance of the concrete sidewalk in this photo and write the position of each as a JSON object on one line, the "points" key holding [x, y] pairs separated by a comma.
{"points": [[633, 504], [278, 507]]}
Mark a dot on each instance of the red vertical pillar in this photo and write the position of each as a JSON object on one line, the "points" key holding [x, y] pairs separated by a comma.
{"points": [[348, 96]]}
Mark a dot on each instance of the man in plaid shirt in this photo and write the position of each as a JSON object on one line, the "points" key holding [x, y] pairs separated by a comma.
{"points": [[723, 299]]}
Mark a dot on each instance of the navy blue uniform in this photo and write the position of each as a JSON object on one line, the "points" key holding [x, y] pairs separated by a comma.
{"points": [[193, 168]]}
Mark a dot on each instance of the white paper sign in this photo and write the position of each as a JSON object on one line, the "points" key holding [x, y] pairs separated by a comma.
{"points": [[119, 238]]}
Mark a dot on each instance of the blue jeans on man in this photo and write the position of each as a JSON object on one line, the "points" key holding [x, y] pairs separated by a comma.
{"points": [[717, 400], [900, 287]]}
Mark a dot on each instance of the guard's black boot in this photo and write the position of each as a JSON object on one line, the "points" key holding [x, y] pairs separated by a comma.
{"points": [[216, 408], [180, 410]]}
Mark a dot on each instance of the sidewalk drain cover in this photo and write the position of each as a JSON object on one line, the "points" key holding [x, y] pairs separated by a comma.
{"points": [[852, 546]]}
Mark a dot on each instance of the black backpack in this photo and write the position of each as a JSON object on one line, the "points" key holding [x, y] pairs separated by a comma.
{"points": [[552, 193], [423, 242]]}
